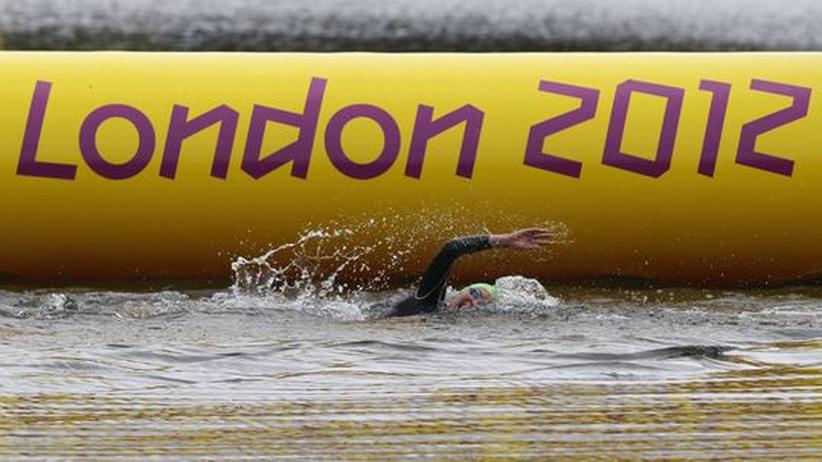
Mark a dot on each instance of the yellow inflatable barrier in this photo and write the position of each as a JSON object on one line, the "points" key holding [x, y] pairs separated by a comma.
{"points": [[694, 168]]}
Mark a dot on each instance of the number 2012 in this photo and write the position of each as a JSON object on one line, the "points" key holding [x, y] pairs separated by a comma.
{"points": [[614, 156]]}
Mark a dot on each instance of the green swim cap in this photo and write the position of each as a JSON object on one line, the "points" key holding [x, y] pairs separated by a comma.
{"points": [[492, 290]]}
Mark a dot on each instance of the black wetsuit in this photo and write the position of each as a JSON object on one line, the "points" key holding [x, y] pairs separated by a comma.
{"points": [[431, 289]]}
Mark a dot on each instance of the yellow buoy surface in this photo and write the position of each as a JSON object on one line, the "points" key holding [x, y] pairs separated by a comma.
{"points": [[686, 168]]}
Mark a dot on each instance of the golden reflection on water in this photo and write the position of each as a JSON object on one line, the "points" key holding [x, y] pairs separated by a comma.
{"points": [[764, 413]]}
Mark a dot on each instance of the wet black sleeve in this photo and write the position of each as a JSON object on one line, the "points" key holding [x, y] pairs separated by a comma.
{"points": [[432, 286]]}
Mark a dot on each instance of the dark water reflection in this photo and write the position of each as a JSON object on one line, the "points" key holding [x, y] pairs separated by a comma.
{"points": [[607, 373]]}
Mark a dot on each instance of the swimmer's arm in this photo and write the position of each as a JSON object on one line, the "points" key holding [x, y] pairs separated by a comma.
{"points": [[436, 275], [432, 286]]}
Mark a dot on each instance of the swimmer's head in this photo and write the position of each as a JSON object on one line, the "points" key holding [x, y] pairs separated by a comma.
{"points": [[473, 295], [482, 292]]}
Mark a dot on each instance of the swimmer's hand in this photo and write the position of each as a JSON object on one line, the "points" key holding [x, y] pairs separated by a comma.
{"points": [[524, 239]]}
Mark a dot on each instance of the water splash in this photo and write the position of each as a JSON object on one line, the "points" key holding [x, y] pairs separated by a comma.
{"points": [[335, 268], [331, 270], [368, 253]]}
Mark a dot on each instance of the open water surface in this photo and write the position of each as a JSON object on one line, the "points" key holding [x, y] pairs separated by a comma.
{"points": [[587, 372]]}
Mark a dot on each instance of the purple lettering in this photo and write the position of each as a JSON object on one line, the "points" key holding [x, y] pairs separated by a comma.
{"points": [[88, 142], [28, 163], [338, 157], [181, 128], [747, 154], [534, 156], [426, 128], [298, 152], [613, 155], [716, 120]]}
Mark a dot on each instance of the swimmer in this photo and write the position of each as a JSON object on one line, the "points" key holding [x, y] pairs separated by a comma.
{"points": [[430, 292]]}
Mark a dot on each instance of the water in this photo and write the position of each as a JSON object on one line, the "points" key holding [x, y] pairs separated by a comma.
{"points": [[411, 25], [579, 372]]}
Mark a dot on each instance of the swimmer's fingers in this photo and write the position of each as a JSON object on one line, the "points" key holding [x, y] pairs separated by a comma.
{"points": [[541, 236], [534, 231], [529, 239], [538, 233]]}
